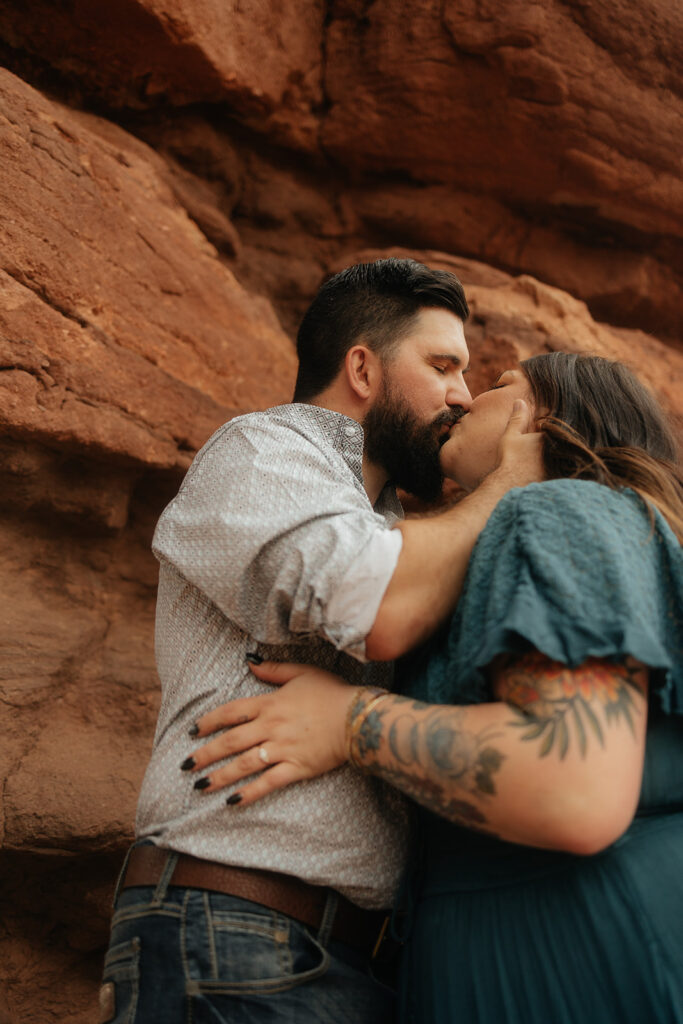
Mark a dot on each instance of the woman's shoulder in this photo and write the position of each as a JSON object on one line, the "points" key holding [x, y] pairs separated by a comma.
{"points": [[557, 496], [578, 510], [574, 570]]}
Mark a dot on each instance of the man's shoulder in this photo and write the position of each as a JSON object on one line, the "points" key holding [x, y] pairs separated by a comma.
{"points": [[312, 424], [286, 442], [261, 420], [272, 428]]}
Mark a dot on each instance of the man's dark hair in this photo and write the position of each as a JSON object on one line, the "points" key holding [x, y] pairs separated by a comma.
{"points": [[375, 303]]}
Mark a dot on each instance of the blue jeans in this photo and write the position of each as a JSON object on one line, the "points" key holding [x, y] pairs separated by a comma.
{"points": [[186, 956]]}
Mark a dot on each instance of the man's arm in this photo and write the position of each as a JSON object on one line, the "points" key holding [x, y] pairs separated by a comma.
{"points": [[271, 526], [433, 562]]}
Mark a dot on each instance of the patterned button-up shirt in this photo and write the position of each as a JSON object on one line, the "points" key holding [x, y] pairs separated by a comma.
{"points": [[272, 546]]}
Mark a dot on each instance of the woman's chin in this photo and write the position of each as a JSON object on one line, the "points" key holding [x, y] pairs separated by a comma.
{"points": [[459, 478]]}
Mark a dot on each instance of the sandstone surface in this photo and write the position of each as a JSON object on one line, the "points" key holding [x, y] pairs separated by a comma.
{"points": [[131, 338], [548, 133], [544, 137], [262, 57], [177, 178], [125, 341]]}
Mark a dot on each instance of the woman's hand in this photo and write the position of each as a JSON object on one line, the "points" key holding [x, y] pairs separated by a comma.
{"points": [[298, 732]]}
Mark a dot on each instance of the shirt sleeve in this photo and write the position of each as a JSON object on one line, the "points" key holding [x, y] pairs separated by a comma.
{"points": [[276, 532], [574, 570], [355, 603]]}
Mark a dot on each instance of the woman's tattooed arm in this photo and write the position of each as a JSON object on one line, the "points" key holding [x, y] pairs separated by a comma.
{"points": [[557, 705], [435, 758], [479, 766]]}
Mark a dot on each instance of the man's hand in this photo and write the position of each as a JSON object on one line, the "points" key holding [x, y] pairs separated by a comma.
{"points": [[520, 452]]}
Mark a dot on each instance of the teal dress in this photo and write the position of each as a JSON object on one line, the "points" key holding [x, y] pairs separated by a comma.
{"points": [[499, 933]]}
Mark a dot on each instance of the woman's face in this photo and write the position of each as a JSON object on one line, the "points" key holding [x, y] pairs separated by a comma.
{"points": [[471, 451]]}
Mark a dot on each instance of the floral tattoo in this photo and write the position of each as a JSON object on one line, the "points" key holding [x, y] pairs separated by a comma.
{"points": [[553, 702], [435, 755]]}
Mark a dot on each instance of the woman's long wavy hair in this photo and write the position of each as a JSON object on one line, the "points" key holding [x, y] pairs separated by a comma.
{"points": [[600, 423]]}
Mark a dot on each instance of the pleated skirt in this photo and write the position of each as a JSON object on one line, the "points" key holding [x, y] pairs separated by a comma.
{"points": [[538, 938]]}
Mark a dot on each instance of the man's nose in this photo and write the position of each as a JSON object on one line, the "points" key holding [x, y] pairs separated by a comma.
{"points": [[459, 394]]}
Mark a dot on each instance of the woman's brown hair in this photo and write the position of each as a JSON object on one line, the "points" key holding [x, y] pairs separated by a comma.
{"points": [[600, 423]]}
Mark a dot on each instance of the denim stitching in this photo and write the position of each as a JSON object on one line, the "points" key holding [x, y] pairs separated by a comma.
{"points": [[281, 938], [121, 876], [183, 938], [264, 930], [329, 914], [265, 986], [227, 918], [209, 934], [159, 896], [121, 953], [129, 972], [141, 910]]}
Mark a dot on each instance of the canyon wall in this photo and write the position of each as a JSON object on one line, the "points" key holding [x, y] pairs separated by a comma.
{"points": [[178, 176]]}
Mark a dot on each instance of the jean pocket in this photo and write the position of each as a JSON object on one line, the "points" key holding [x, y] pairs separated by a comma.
{"points": [[257, 953], [120, 983]]}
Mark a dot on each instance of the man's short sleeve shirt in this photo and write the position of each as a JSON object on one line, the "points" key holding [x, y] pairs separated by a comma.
{"points": [[272, 546]]}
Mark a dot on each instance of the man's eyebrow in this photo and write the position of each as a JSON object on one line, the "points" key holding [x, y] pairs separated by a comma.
{"points": [[449, 358]]}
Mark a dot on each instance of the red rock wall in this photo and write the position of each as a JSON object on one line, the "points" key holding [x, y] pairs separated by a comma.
{"points": [[176, 179]]}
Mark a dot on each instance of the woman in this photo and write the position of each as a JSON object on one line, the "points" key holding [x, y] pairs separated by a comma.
{"points": [[542, 731]]}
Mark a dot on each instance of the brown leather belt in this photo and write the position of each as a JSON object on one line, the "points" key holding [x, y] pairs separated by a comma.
{"points": [[361, 929]]}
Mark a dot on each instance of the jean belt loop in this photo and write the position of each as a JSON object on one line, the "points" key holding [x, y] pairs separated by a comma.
{"points": [[329, 914], [122, 875], [163, 883]]}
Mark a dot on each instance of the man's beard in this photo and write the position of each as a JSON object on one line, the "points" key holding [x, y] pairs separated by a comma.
{"points": [[406, 447]]}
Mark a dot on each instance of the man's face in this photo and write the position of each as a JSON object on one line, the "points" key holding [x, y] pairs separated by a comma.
{"points": [[423, 394]]}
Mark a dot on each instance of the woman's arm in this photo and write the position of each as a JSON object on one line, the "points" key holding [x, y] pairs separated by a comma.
{"points": [[556, 762], [558, 765]]}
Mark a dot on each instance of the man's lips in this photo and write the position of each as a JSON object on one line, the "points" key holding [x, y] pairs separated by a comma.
{"points": [[444, 425], [448, 432], [445, 436]]}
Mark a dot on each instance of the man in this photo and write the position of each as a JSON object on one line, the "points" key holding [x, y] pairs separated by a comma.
{"points": [[281, 544]]}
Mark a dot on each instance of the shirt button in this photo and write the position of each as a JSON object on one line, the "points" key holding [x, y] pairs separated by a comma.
{"points": [[350, 431]]}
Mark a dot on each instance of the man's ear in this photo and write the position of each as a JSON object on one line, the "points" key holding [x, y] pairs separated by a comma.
{"points": [[363, 371]]}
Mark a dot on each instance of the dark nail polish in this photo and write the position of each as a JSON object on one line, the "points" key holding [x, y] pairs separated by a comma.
{"points": [[188, 763], [234, 798], [254, 659], [202, 783], [193, 730]]}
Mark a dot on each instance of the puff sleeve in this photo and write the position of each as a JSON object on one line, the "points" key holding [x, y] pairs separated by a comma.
{"points": [[574, 570]]}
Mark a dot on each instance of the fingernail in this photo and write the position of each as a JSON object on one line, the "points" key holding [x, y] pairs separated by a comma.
{"points": [[193, 730], [202, 783], [254, 659], [234, 798], [188, 763]]}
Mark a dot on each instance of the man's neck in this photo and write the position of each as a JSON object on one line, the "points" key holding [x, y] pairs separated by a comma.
{"points": [[374, 476], [374, 479]]}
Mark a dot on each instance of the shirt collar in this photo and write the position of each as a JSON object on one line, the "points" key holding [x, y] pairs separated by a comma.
{"points": [[346, 436]]}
